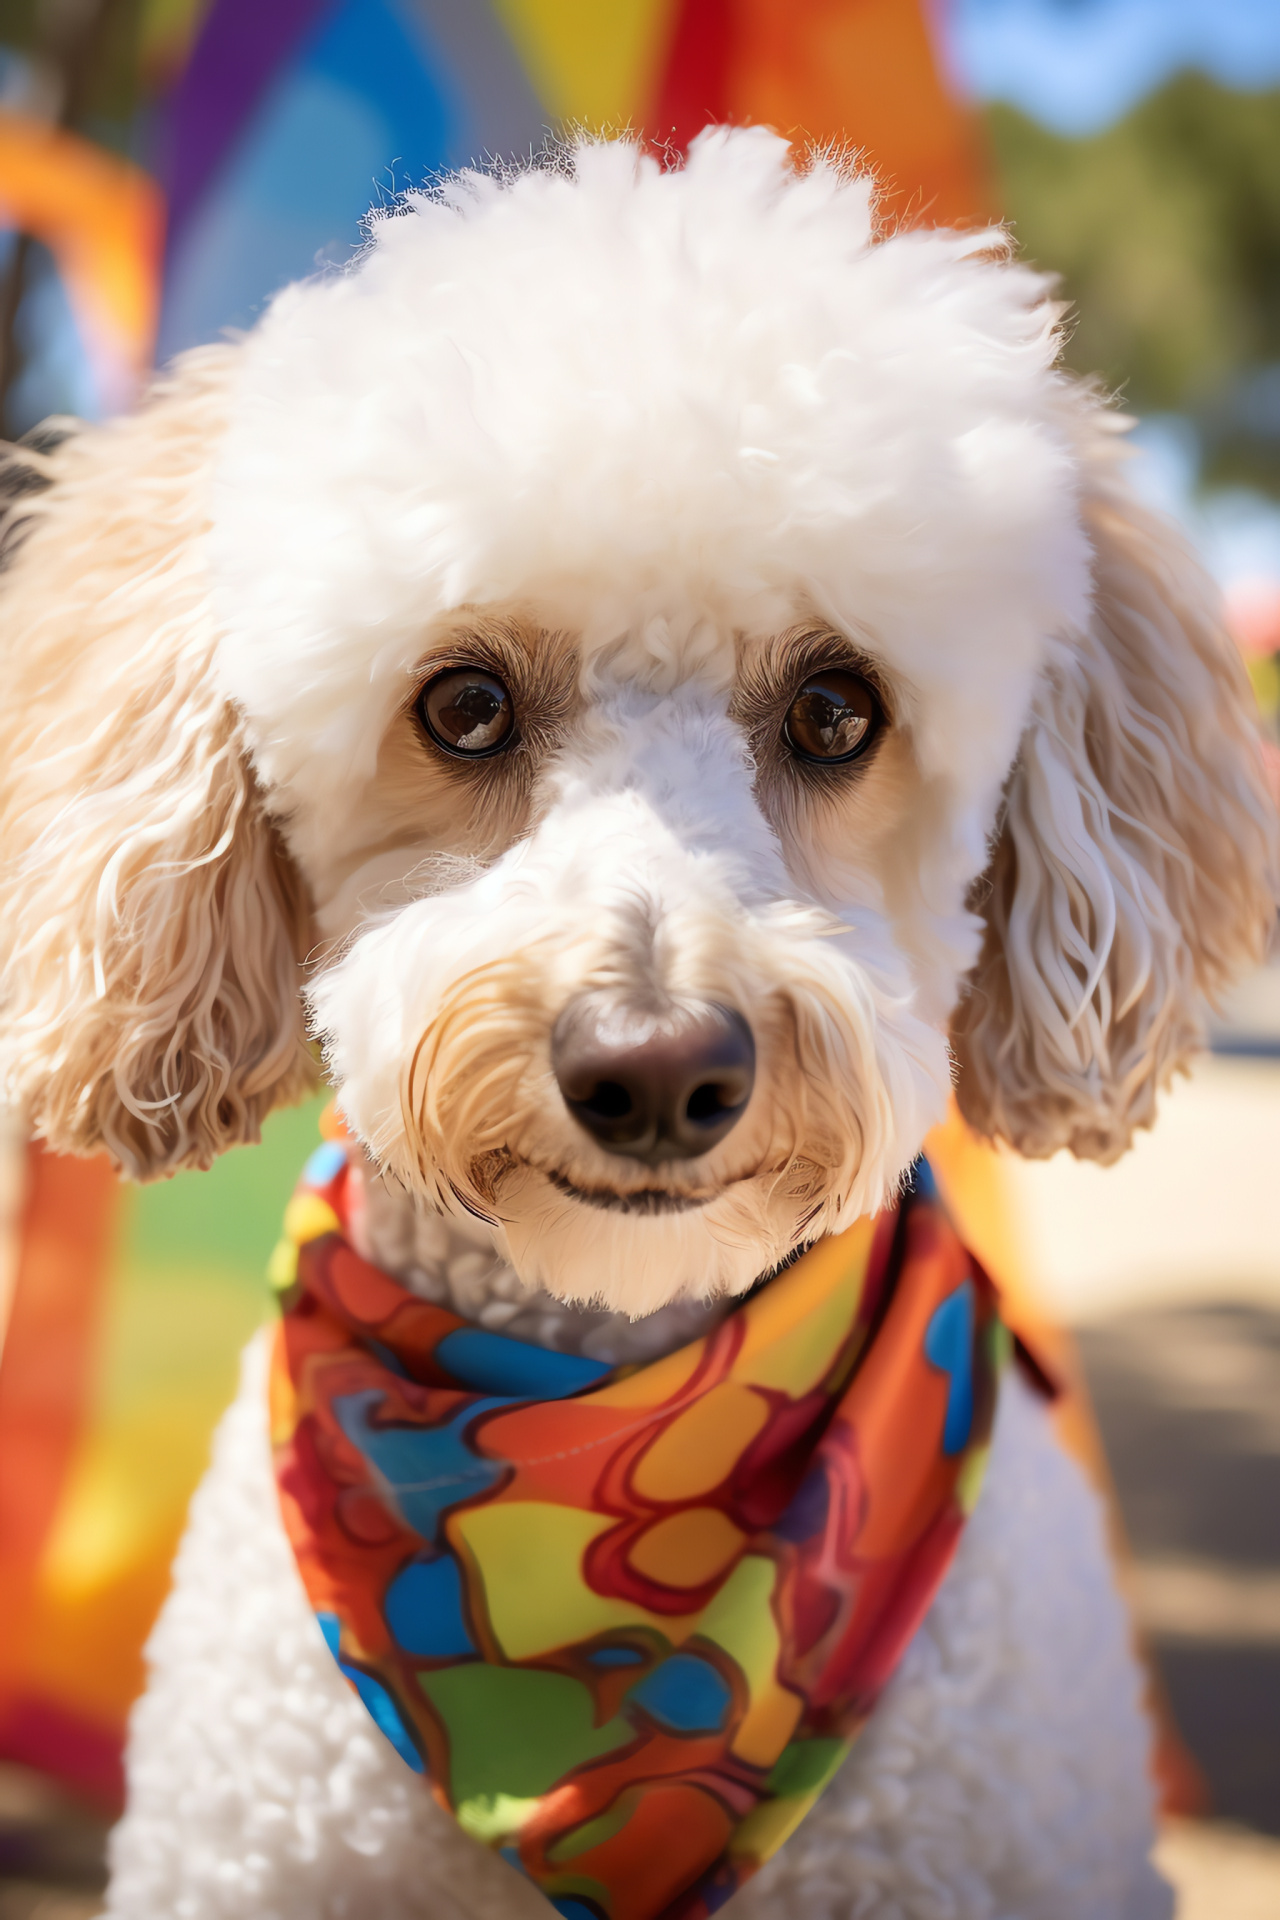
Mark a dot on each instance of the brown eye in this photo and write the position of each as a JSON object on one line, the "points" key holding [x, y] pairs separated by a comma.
{"points": [[834, 716], [468, 712]]}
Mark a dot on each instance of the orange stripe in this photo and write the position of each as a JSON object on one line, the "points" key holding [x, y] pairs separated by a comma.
{"points": [[862, 73], [47, 1370], [102, 218]]}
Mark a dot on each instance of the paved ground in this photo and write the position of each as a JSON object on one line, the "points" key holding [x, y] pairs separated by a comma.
{"points": [[1221, 1872], [1168, 1266], [1189, 1403]]}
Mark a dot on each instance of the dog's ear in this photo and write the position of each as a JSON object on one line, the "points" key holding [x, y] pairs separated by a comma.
{"points": [[151, 927], [1133, 872]]}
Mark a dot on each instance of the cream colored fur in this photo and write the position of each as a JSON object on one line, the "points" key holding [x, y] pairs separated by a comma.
{"points": [[152, 929], [1131, 875]]}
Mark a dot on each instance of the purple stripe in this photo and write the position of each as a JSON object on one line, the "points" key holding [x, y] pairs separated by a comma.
{"points": [[238, 51]]}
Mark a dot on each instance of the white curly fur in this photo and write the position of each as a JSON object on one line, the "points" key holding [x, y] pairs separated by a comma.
{"points": [[651, 446], [1002, 1776]]}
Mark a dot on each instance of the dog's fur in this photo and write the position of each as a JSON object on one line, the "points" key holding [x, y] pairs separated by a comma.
{"points": [[650, 445]]}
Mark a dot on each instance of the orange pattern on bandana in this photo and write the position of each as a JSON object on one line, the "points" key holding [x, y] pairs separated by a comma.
{"points": [[627, 1620]]}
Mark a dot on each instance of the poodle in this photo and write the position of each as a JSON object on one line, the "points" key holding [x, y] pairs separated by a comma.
{"points": [[647, 680]]}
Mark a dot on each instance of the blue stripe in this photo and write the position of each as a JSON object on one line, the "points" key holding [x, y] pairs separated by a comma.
{"points": [[492, 1363]]}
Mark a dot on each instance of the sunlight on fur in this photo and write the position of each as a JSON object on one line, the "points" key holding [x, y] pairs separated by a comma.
{"points": [[219, 800]]}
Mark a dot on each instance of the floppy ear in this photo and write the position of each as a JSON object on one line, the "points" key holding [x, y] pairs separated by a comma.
{"points": [[1133, 872], [151, 927]]}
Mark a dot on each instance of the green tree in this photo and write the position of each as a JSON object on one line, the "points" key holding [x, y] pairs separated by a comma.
{"points": [[1165, 228]]}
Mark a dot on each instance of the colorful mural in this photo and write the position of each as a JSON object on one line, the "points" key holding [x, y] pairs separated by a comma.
{"points": [[269, 132]]}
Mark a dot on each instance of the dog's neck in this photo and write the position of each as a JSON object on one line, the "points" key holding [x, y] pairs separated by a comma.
{"points": [[454, 1262]]}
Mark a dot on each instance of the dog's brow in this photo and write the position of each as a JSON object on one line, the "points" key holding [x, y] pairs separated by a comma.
{"points": [[768, 673], [538, 664], [501, 643]]}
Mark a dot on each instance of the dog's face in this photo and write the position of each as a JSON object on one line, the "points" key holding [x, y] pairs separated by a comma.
{"points": [[638, 691], [643, 603], [617, 957]]}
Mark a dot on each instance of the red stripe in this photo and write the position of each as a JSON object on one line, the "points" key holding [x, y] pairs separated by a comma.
{"points": [[693, 92], [84, 1757]]}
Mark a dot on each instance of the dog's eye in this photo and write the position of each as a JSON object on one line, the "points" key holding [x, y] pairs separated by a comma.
{"points": [[468, 712], [834, 716]]}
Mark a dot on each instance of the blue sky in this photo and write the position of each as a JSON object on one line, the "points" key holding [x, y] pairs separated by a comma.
{"points": [[1076, 65]]}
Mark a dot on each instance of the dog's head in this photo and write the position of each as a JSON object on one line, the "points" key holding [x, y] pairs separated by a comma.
{"points": [[660, 667]]}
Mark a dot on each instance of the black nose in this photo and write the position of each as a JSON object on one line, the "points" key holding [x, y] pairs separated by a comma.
{"points": [[653, 1087]]}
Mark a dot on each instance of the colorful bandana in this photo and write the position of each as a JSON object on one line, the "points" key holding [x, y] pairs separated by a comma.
{"points": [[627, 1620]]}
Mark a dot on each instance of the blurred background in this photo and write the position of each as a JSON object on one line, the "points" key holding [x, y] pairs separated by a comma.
{"points": [[165, 165]]}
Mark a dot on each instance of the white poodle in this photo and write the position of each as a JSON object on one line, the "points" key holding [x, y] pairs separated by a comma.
{"points": [[660, 680]]}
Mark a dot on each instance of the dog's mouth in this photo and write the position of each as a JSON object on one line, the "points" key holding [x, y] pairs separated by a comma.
{"points": [[642, 1200]]}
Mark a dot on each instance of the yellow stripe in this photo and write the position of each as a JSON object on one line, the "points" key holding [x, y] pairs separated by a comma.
{"points": [[594, 63]]}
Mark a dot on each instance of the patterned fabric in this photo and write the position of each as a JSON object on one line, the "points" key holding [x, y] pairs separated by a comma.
{"points": [[627, 1620]]}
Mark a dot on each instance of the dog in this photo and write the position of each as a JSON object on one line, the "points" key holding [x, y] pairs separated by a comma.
{"points": [[656, 679]]}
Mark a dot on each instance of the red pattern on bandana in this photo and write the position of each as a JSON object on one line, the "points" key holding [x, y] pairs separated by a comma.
{"points": [[628, 1620]]}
